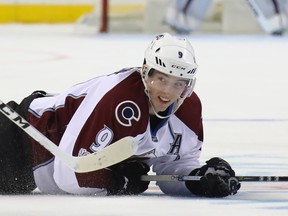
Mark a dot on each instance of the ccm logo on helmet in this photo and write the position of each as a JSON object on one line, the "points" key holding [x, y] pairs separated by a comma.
{"points": [[178, 67]]}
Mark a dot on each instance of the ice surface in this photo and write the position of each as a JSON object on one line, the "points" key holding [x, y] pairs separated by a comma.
{"points": [[242, 82]]}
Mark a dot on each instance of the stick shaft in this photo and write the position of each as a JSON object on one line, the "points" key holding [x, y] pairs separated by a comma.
{"points": [[197, 178]]}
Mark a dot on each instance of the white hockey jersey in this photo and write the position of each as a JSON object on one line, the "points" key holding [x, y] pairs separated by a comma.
{"points": [[93, 114]]}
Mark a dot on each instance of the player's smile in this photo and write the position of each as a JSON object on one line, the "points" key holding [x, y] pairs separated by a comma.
{"points": [[162, 103], [165, 100]]}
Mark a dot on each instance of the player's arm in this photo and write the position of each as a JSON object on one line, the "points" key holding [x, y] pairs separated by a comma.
{"points": [[92, 128]]}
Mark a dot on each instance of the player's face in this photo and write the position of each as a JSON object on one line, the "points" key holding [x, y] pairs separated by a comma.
{"points": [[164, 90]]}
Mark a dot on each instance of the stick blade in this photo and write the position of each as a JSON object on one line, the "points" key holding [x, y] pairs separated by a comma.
{"points": [[108, 156]]}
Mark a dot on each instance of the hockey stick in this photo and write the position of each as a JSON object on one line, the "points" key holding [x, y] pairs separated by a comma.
{"points": [[112, 154], [197, 178]]}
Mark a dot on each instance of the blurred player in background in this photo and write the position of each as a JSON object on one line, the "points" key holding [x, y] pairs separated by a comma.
{"points": [[271, 15], [185, 16]]}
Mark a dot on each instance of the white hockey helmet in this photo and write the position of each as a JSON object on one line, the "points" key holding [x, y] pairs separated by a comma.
{"points": [[172, 56]]}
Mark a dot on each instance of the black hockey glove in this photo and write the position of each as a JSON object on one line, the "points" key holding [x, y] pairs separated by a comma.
{"points": [[127, 178], [217, 181]]}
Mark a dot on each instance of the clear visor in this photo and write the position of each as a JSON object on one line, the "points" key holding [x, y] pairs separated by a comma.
{"points": [[181, 87]]}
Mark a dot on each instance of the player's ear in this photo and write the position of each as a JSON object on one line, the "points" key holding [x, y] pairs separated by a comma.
{"points": [[144, 71]]}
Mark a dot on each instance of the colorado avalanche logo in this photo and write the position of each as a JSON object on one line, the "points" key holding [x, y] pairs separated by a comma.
{"points": [[126, 112]]}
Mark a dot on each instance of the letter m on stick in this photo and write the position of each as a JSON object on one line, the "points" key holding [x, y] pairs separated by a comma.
{"points": [[13, 116], [21, 122]]}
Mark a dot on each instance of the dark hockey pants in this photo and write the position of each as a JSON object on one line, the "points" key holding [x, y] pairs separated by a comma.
{"points": [[16, 175]]}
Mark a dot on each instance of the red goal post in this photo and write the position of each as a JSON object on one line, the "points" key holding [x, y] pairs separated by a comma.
{"points": [[104, 15], [95, 21]]}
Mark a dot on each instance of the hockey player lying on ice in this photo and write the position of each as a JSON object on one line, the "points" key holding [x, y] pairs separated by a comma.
{"points": [[154, 104]]}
